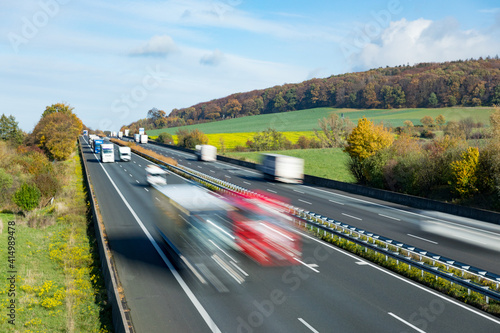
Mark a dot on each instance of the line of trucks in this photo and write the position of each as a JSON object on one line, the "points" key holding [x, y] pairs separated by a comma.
{"points": [[106, 151]]}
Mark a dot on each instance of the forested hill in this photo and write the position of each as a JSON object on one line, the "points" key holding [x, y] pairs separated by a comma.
{"points": [[467, 83]]}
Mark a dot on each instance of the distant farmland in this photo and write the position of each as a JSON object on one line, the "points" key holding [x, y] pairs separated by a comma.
{"points": [[307, 120]]}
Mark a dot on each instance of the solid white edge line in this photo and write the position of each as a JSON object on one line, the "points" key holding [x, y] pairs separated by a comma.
{"points": [[406, 323], [307, 325], [204, 314], [368, 263]]}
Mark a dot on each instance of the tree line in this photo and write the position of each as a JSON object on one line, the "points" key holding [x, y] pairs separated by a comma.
{"points": [[29, 173], [463, 82], [445, 168]]}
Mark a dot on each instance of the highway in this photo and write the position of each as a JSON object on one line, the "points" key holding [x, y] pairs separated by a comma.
{"points": [[329, 291], [469, 241]]}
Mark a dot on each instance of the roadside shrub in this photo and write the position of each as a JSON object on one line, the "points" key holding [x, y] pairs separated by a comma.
{"points": [[27, 197], [427, 134], [6, 181], [166, 138], [47, 183]]}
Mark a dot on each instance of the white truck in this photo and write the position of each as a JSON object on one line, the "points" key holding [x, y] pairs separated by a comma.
{"points": [[107, 153], [283, 168], [137, 137], [126, 132], [120, 134], [206, 153], [144, 138], [156, 175], [125, 154]]}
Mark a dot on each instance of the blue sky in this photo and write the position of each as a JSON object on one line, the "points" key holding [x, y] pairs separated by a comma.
{"points": [[114, 60]]}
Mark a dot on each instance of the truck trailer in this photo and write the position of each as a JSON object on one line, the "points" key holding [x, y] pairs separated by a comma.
{"points": [[206, 153], [144, 138], [107, 153], [125, 154], [282, 168], [96, 145]]}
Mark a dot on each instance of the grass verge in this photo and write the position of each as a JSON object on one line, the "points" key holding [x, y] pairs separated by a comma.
{"points": [[328, 163], [57, 285]]}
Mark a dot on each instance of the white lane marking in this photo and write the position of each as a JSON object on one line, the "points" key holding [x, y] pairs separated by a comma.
{"points": [[338, 203], [308, 266], [362, 263], [271, 190], [199, 166], [307, 325], [145, 189], [137, 181], [140, 165], [352, 217], [227, 176], [271, 183], [406, 323], [201, 310], [406, 212], [403, 279], [212, 171], [134, 161], [189, 162], [422, 239], [307, 202], [389, 217], [299, 191], [121, 166], [247, 183], [157, 199]]}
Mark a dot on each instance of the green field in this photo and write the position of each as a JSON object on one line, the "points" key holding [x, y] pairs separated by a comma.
{"points": [[328, 163], [307, 120]]}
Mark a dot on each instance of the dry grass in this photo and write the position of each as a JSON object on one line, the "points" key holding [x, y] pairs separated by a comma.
{"points": [[142, 150]]}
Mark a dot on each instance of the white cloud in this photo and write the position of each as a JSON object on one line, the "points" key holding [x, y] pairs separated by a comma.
{"points": [[157, 46], [425, 41], [212, 59]]}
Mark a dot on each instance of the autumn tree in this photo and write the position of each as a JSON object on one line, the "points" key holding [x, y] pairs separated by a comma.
{"points": [[364, 141], [270, 139], [189, 139], [165, 137], [56, 133], [440, 121], [232, 107], [58, 108], [463, 173], [427, 121], [495, 123], [333, 130], [367, 138]]}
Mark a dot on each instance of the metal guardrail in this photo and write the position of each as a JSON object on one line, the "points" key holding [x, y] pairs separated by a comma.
{"points": [[356, 236]]}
